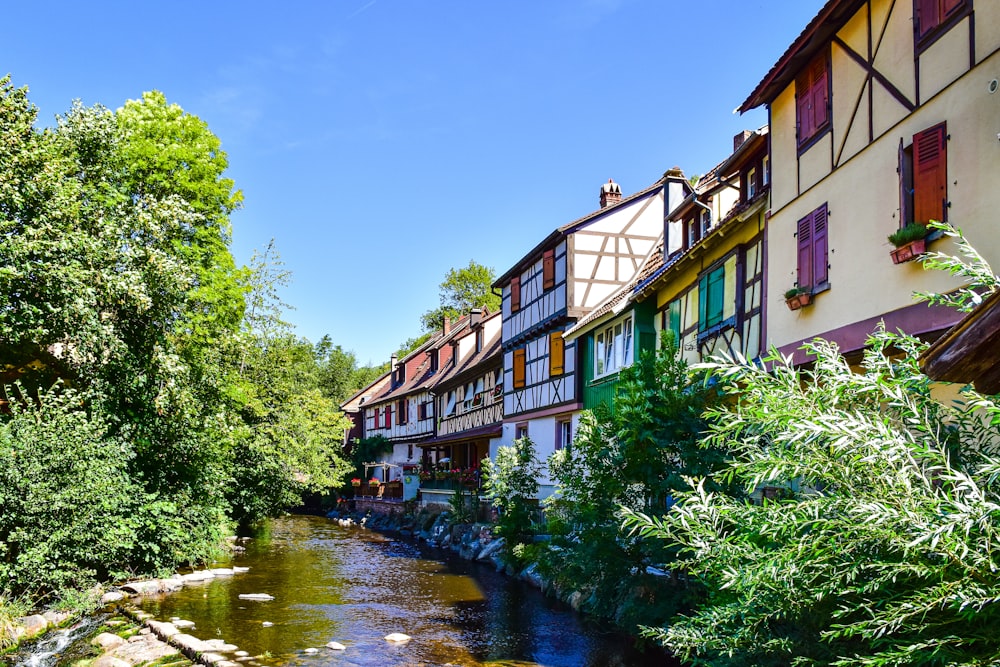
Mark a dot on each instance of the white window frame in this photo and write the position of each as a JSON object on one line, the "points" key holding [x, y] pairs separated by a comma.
{"points": [[751, 183], [614, 347]]}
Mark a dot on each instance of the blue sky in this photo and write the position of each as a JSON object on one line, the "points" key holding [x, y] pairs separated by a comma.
{"points": [[382, 142]]}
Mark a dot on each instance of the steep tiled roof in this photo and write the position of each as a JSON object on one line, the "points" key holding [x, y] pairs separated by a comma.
{"points": [[422, 376], [826, 23], [489, 355], [354, 402]]}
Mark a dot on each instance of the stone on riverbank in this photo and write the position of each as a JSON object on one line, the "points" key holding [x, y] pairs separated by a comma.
{"points": [[107, 641], [33, 625], [336, 646], [112, 596], [110, 661], [147, 587], [397, 637]]}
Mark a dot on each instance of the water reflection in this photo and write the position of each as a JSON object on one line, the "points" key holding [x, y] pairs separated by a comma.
{"points": [[355, 587]]}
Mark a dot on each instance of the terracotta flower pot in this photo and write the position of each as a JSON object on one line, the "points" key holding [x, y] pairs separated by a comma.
{"points": [[799, 300], [909, 251]]}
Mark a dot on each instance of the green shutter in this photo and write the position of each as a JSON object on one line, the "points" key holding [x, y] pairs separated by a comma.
{"points": [[702, 302], [674, 318], [716, 295]]}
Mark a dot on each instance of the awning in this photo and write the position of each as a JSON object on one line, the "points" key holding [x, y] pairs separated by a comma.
{"points": [[490, 431]]}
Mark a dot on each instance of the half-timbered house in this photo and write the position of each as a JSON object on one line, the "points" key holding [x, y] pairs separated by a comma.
{"points": [[468, 402], [403, 413], [709, 290], [570, 272], [882, 113]]}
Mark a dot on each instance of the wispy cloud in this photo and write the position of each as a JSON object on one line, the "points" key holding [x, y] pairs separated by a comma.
{"points": [[361, 9]]}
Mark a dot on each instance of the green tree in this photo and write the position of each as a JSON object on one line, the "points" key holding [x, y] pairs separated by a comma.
{"points": [[882, 551], [462, 290], [511, 484]]}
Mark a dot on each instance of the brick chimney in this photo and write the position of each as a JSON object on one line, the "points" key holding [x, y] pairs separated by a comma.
{"points": [[740, 138], [446, 326], [611, 194]]}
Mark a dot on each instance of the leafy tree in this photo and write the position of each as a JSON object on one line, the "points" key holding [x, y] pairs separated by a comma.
{"points": [[882, 551], [461, 291], [511, 484], [411, 344], [639, 457]]}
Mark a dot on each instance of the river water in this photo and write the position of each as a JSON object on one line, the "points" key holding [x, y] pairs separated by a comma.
{"points": [[354, 586]]}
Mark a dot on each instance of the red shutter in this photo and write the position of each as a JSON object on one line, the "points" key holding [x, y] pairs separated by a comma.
{"points": [[376, 423], [515, 294], [388, 416], [928, 16], [548, 269], [930, 174], [805, 254], [949, 6], [820, 244]]}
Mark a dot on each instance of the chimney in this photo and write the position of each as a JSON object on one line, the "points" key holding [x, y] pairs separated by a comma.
{"points": [[475, 317], [611, 194], [740, 138], [446, 326]]}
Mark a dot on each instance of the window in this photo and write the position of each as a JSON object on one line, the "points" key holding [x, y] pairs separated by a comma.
{"points": [[923, 177], [426, 410], [521, 430], [711, 298], [400, 374], [548, 269], [812, 250], [812, 99], [692, 235], [433, 355], [751, 183], [450, 405], [515, 294], [706, 222], [479, 340], [614, 348], [934, 17], [519, 367], [402, 411], [765, 171], [564, 433], [557, 354]]}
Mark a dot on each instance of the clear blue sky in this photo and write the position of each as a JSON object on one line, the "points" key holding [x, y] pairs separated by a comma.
{"points": [[382, 142]]}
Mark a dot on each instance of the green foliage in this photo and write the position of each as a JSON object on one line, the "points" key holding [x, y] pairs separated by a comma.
{"points": [[911, 231], [511, 484], [979, 278], [639, 458], [367, 450], [462, 506], [411, 345], [883, 550], [461, 291]]}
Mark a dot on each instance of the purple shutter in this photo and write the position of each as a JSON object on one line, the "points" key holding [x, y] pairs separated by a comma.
{"points": [[804, 276], [820, 261]]}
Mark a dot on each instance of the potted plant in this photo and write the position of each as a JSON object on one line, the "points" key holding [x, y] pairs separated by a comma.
{"points": [[355, 481], [797, 297], [910, 242], [374, 481]]}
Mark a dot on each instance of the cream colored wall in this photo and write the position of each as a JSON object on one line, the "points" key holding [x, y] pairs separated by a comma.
{"points": [[987, 29], [784, 179], [863, 200]]}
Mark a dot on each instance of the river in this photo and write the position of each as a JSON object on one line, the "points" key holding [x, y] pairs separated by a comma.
{"points": [[354, 586]]}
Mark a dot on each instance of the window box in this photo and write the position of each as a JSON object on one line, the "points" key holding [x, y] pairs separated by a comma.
{"points": [[910, 241], [798, 297]]}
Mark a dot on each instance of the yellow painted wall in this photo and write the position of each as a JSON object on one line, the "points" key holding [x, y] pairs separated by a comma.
{"points": [[945, 60], [862, 195], [784, 180]]}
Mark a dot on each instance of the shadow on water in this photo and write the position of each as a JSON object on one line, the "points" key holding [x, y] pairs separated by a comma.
{"points": [[354, 587]]}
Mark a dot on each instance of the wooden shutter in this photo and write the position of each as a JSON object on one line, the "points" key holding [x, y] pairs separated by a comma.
{"points": [[674, 319], [805, 253], [515, 294], [820, 92], [715, 296], [377, 423], [519, 364], [949, 6], [548, 269], [905, 171], [930, 174], [557, 354], [702, 301], [928, 16], [388, 416], [820, 260]]}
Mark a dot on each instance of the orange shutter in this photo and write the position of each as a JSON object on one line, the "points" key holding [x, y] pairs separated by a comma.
{"points": [[548, 269], [519, 364], [515, 294], [930, 174], [557, 354]]}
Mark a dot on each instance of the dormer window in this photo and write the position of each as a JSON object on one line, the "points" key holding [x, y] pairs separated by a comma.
{"points": [[765, 171], [400, 374], [433, 359], [479, 340], [706, 222], [751, 183]]}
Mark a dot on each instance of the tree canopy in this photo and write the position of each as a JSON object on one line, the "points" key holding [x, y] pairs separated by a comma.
{"points": [[462, 290]]}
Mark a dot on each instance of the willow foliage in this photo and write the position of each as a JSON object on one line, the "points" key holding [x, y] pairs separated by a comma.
{"points": [[887, 552]]}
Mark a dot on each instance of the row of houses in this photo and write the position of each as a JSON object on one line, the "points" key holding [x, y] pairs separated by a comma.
{"points": [[881, 113]]}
